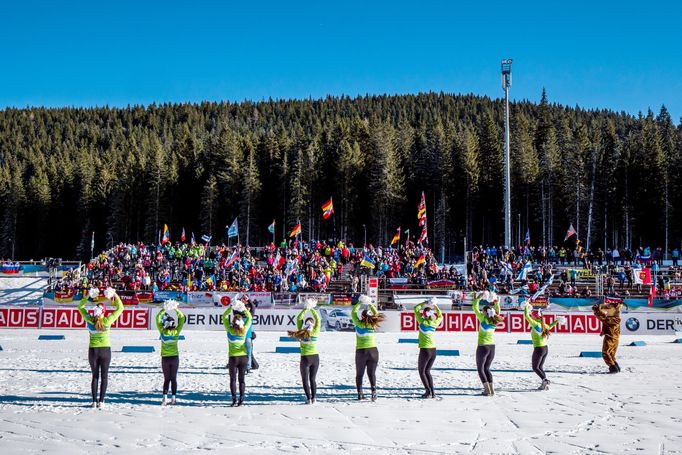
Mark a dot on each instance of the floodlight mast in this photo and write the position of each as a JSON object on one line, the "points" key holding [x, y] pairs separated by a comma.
{"points": [[506, 83]]}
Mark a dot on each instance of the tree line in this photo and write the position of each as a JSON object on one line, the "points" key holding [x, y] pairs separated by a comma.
{"points": [[125, 172]]}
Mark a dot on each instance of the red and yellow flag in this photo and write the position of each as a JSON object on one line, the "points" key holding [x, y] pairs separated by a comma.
{"points": [[296, 230], [396, 237], [420, 261], [327, 209]]}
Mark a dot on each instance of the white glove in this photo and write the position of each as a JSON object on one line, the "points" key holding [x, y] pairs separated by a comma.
{"points": [[238, 306], [309, 304], [562, 320], [170, 305], [527, 306], [93, 293], [109, 293]]}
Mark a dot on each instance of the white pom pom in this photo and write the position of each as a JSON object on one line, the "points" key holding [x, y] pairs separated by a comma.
{"points": [[528, 306], [493, 297], [238, 306], [310, 304], [109, 293], [93, 293], [170, 305], [364, 300]]}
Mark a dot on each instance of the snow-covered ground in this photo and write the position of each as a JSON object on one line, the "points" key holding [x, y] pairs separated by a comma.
{"points": [[23, 290], [44, 390]]}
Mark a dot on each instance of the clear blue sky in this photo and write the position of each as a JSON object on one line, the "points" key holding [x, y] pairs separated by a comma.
{"points": [[617, 55]]}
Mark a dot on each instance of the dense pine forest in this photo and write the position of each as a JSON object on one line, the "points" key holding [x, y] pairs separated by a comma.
{"points": [[125, 172]]}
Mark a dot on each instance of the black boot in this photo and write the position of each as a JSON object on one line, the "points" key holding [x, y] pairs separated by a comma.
{"points": [[427, 394], [613, 369], [374, 394], [241, 400], [234, 401], [617, 367], [361, 396]]}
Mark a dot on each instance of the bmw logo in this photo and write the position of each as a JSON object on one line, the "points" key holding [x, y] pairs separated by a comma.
{"points": [[632, 324]]}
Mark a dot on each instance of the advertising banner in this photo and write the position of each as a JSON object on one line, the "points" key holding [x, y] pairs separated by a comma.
{"points": [[212, 319], [162, 296], [66, 318]]}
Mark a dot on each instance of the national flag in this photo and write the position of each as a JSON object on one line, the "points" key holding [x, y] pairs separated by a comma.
{"points": [[182, 236], [233, 230], [527, 239], [327, 209], [570, 233], [396, 237], [276, 262], [542, 290], [367, 262], [166, 234], [526, 271], [420, 261], [92, 242], [296, 230], [423, 238], [507, 268], [421, 211], [407, 236], [652, 293], [206, 238], [271, 228], [193, 241], [233, 257]]}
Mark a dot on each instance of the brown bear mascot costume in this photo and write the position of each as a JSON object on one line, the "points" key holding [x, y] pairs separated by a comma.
{"points": [[609, 315]]}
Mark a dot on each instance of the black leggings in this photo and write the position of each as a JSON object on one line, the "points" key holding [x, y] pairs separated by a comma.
{"points": [[309, 366], [539, 356], [170, 365], [100, 359], [366, 359], [237, 365], [426, 358], [484, 357]]}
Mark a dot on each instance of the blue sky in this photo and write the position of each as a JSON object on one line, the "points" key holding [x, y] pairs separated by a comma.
{"points": [[615, 55]]}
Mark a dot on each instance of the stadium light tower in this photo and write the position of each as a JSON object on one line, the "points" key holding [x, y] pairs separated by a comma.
{"points": [[506, 83]]}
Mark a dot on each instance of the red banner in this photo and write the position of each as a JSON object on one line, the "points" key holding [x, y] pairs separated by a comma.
{"points": [[66, 318], [19, 318], [512, 323]]}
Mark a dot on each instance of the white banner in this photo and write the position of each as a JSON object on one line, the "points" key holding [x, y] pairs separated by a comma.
{"points": [[211, 319], [650, 323]]}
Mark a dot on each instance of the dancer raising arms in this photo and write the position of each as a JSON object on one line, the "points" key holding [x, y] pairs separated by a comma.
{"points": [[366, 353], [99, 348], [308, 329], [237, 325], [485, 352], [429, 317], [170, 321], [539, 333]]}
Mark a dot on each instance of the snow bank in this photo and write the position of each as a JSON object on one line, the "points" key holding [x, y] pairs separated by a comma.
{"points": [[21, 290], [45, 390]]}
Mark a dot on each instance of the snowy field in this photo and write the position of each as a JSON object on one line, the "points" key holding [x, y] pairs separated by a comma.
{"points": [[44, 390]]}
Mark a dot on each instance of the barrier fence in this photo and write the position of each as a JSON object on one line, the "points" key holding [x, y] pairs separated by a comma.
{"points": [[333, 319]]}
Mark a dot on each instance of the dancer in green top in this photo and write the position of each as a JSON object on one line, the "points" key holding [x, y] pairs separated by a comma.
{"points": [[488, 320], [99, 348], [366, 352], [237, 326], [308, 329], [539, 332], [169, 322], [429, 317]]}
